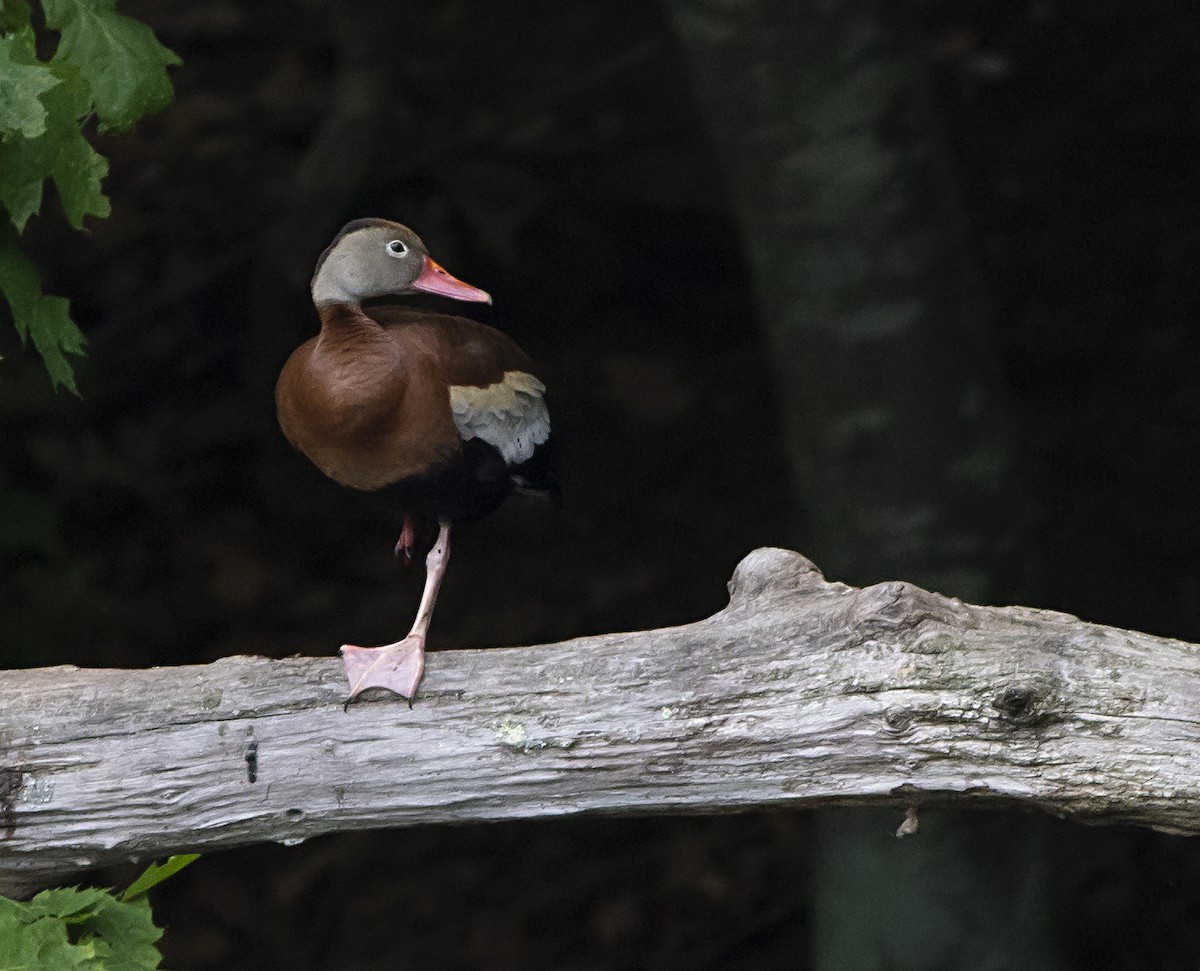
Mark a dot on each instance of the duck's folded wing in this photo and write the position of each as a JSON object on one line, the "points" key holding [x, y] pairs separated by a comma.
{"points": [[494, 395], [510, 414]]}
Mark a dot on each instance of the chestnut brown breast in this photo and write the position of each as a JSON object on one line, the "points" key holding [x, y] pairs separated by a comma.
{"points": [[368, 399]]}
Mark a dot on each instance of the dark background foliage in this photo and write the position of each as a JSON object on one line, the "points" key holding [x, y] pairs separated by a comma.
{"points": [[555, 154]]}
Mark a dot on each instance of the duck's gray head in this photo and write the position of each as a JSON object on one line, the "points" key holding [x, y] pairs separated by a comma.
{"points": [[377, 258]]}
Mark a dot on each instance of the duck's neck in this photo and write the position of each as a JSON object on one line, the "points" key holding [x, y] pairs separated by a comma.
{"points": [[345, 319], [352, 358], [327, 286]]}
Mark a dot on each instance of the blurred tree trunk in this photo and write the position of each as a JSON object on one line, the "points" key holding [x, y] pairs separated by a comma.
{"points": [[888, 389]]}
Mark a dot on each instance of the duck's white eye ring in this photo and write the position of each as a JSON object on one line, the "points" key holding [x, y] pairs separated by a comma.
{"points": [[396, 248]]}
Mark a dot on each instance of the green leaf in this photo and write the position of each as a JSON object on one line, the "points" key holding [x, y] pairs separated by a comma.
{"points": [[70, 904], [127, 928], [77, 169], [119, 57], [55, 335], [45, 319], [105, 64], [25, 80], [22, 170], [156, 873], [14, 14], [31, 946], [21, 178], [19, 282], [61, 153], [109, 935]]}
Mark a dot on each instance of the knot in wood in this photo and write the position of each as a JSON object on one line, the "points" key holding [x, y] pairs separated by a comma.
{"points": [[898, 721], [770, 570], [1017, 702]]}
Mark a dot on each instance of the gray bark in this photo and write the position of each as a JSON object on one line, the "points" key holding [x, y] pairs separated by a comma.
{"points": [[800, 693]]}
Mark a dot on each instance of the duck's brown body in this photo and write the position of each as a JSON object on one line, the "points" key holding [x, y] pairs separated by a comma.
{"points": [[368, 399], [444, 413]]}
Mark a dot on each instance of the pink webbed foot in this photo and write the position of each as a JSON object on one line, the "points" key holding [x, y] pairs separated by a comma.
{"points": [[397, 667]]}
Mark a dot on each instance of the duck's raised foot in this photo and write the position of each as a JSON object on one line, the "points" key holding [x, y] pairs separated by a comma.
{"points": [[397, 667]]}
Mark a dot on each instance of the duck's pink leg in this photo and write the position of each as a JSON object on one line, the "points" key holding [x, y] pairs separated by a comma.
{"points": [[399, 667], [407, 540]]}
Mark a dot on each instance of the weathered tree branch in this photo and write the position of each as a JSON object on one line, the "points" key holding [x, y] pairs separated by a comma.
{"points": [[800, 693]]}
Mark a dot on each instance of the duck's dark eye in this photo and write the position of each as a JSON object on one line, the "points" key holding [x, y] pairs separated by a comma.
{"points": [[396, 248]]}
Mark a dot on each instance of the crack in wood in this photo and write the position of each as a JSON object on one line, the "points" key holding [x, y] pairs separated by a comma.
{"points": [[252, 762], [12, 781]]}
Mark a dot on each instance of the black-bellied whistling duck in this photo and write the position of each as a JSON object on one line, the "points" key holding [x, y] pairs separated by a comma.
{"points": [[443, 412]]}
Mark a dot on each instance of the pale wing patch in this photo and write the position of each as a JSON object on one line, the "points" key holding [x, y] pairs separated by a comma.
{"points": [[509, 415]]}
